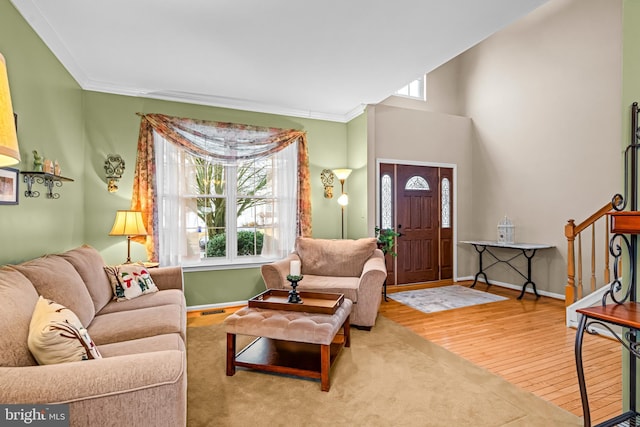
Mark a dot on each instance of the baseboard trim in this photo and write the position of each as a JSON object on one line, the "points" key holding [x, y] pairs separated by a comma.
{"points": [[512, 286], [459, 279], [216, 306]]}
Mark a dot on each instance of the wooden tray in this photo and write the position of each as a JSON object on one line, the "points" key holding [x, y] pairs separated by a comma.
{"points": [[312, 302]]}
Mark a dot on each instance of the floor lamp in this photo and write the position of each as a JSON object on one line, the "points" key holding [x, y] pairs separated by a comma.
{"points": [[343, 200]]}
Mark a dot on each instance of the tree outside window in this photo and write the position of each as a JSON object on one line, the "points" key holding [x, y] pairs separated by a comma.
{"points": [[252, 204]]}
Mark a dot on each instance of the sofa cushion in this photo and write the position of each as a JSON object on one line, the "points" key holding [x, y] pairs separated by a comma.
{"points": [[133, 324], [129, 281], [343, 258], [18, 298], [348, 286], [57, 280], [89, 264], [57, 336], [143, 345], [170, 296]]}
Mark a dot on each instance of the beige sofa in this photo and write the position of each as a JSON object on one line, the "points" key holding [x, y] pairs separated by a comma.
{"points": [[354, 268], [141, 378]]}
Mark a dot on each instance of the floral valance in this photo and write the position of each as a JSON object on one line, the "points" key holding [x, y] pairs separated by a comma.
{"points": [[227, 143], [224, 142]]}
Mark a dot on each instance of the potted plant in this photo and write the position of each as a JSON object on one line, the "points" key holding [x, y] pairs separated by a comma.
{"points": [[386, 239]]}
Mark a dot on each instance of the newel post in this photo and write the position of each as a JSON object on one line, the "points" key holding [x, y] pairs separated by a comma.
{"points": [[570, 288]]}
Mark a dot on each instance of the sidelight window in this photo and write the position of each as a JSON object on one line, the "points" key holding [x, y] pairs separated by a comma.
{"points": [[445, 200], [386, 201]]}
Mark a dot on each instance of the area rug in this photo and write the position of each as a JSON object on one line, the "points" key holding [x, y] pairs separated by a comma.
{"points": [[443, 298], [388, 377]]}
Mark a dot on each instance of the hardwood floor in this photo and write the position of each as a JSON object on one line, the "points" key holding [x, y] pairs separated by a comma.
{"points": [[526, 342]]}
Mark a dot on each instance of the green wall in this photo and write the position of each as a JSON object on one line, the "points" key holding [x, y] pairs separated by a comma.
{"points": [[49, 107], [356, 185], [79, 128]]}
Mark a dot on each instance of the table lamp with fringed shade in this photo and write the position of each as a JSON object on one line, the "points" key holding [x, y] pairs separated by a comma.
{"points": [[128, 223], [9, 152]]}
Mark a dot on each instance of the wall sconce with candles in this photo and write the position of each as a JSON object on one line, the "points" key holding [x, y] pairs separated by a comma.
{"points": [[114, 168], [343, 200], [9, 151]]}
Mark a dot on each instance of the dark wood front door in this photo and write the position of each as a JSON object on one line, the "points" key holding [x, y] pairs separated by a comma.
{"points": [[417, 208], [422, 211]]}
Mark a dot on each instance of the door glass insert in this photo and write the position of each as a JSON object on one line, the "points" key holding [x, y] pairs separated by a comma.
{"points": [[445, 201], [385, 201], [417, 183]]}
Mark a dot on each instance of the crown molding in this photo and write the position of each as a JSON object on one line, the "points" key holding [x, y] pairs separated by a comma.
{"points": [[222, 102]]}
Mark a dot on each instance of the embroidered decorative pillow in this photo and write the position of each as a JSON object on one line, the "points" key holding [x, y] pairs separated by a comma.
{"points": [[57, 336], [129, 281]]}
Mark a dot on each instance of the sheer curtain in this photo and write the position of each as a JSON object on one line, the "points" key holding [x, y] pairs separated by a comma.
{"points": [[170, 173], [159, 181], [285, 189]]}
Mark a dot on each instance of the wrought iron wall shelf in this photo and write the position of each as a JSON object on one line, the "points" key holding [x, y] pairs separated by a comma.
{"points": [[49, 180]]}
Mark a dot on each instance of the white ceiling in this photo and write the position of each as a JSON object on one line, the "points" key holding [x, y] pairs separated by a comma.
{"points": [[322, 59]]}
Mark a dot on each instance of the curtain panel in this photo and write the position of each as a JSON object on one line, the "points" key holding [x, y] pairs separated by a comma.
{"points": [[227, 143]]}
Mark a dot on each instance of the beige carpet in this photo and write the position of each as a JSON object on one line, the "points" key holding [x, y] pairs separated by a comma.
{"points": [[388, 377]]}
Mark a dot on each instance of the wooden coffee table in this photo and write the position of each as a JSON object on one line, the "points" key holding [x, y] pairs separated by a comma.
{"points": [[292, 342]]}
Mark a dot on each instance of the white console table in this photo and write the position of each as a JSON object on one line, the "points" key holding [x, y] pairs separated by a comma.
{"points": [[528, 250]]}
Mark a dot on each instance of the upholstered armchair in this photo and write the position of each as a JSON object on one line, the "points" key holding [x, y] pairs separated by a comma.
{"points": [[354, 268]]}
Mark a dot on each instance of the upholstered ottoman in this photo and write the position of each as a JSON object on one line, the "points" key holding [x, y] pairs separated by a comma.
{"points": [[290, 342]]}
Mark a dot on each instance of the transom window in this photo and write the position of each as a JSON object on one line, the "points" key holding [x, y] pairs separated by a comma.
{"points": [[417, 183], [415, 89]]}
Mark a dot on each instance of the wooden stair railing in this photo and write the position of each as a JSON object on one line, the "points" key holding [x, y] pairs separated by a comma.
{"points": [[575, 291]]}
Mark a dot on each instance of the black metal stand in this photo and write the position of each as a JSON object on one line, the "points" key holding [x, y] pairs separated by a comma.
{"points": [[528, 256], [589, 319], [294, 296], [528, 251], [480, 249], [624, 311]]}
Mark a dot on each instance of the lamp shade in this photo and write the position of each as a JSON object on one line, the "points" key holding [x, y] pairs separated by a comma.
{"points": [[343, 200], [342, 174], [128, 223], [9, 152]]}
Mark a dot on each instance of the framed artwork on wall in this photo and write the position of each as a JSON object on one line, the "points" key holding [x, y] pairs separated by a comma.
{"points": [[8, 186]]}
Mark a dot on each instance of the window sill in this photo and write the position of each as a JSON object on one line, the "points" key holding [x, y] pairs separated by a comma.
{"points": [[212, 265]]}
